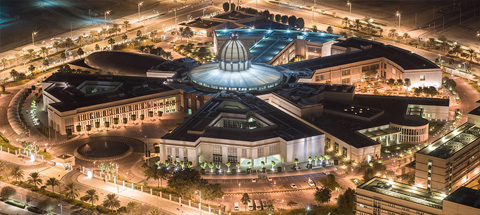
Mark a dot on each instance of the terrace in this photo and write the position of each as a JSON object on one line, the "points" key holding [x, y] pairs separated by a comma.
{"points": [[453, 142], [405, 192]]}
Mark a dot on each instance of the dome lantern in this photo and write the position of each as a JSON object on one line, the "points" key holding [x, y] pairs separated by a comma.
{"points": [[233, 55]]}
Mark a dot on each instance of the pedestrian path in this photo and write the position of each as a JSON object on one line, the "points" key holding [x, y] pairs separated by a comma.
{"points": [[155, 201]]}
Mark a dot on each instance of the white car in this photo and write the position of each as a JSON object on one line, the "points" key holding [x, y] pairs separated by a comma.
{"points": [[254, 180], [311, 183], [269, 179], [293, 186]]}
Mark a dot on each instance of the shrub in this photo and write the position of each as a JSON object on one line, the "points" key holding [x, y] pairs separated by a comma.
{"points": [[88, 206], [102, 209], [122, 209], [53, 195], [35, 210], [15, 203], [34, 188], [8, 192]]}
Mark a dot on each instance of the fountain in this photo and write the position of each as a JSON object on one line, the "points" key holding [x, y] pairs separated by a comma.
{"points": [[103, 149]]}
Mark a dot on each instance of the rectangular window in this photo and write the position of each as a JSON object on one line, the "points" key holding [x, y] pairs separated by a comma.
{"points": [[327, 143], [244, 153], [344, 152], [346, 81], [337, 148], [422, 77], [345, 72], [273, 150], [260, 152]]}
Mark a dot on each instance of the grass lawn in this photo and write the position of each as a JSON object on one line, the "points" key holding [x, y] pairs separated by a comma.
{"points": [[6, 144]]}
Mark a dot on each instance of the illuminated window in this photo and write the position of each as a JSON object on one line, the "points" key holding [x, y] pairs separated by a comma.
{"points": [[422, 77]]}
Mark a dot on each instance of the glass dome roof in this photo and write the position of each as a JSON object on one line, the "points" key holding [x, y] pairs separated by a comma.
{"points": [[233, 55]]}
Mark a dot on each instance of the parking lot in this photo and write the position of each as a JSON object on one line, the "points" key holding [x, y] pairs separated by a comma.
{"points": [[278, 190]]}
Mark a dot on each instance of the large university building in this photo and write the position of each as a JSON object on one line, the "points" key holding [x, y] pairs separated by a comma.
{"points": [[451, 161], [383, 197], [235, 128]]}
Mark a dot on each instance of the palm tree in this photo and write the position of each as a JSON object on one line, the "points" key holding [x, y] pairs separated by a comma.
{"points": [[457, 49], [52, 182], [44, 51], [3, 168], [245, 200], [80, 40], [345, 21], [131, 207], [70, 191], [406, 36], [111, 201], [154, 211], [111, 41], [126, 24], [34, 179], [472, 54], [69, 42], [358, 24], [4, 62], [56, 44], [393, 33], [17, 173], [91, 196], [124, 37], [187, 32], [158, 174]]}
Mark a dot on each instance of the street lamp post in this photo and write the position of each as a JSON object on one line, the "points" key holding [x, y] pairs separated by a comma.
{"points": [[33, 37], [200, 206], [106, 13], [139, 6], [61, 208], [399, 19], [350, 5], [21, 197], [313, 11]]}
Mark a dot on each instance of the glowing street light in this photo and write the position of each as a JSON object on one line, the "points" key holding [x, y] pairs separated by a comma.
{"points": [[350, 5], [106, 13], [399, 19], [139, 6], [33, 37]]}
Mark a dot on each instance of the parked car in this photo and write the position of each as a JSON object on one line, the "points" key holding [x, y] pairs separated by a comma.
{"points": [[311, 183], [254, 180]]}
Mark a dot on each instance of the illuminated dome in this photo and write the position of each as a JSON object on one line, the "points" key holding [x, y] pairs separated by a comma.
{"points": [[233, 55], [234, 70]]}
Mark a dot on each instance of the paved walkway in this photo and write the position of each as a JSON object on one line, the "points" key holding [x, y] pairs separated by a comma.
{"points": [[154, 201]]}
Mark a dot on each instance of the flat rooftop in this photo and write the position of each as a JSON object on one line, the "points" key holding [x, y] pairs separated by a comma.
{"points": [[76, 91], [307, 94], [234, 15], [404, 191], [368, 50], [475, 111], [453, 142], [202, 23], [234, 110], [272, 41], [397, 105], [465, 196]]}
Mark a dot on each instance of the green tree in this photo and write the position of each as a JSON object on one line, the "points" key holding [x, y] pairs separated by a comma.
{"points": [[71, 191], [211, 191], [393, 33], [390, 82], [368, 174], [226, 6], [323, 195], [46, 205], [330, 30], [111, 201], [124, 37], [34, 179], [111, 41], [45, 62], [31, 68], [314, 28], [17, 173], [3, 166], [300, 23], [232, 7], [292, 20], [139, 33], [295, 161], [52, 182], [8, 192], [126, 24], [284, 19], [187, 33], [90, 196], [154, 211], [346, 202], [97, 47], [407, 83], [245, 200], [291, 204], [131, 207], [278, 18], [158, 174], [80, 52], [185, 182], [44, 51]]}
